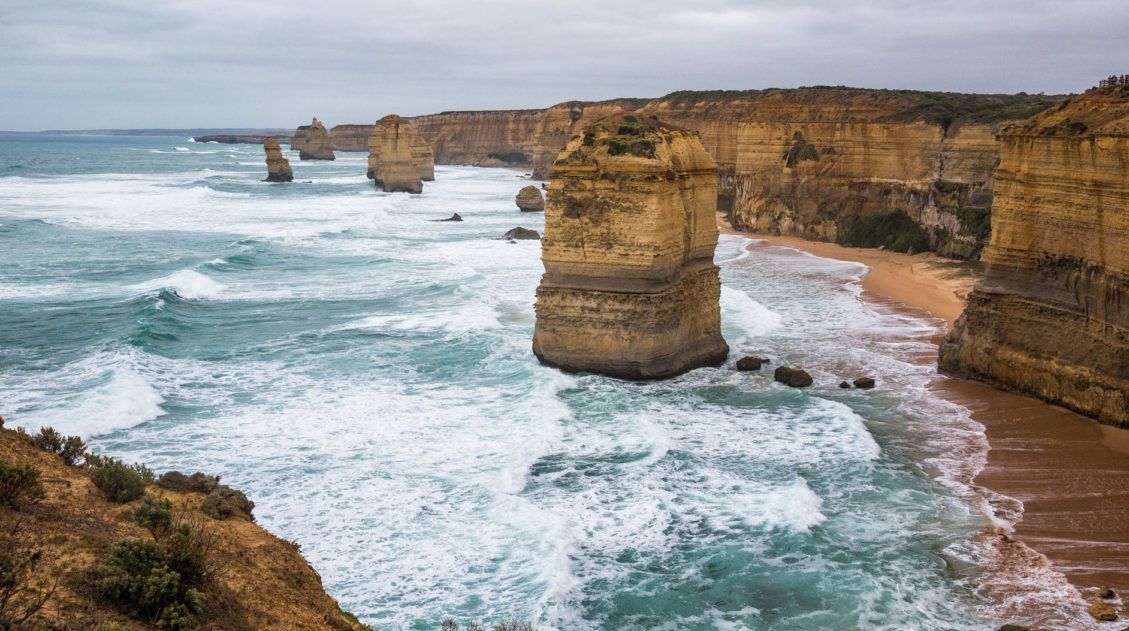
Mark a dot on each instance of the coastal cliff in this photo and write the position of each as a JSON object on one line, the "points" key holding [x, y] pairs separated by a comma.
{"points": [[312, 142], [808, 162], [72, 543], [1051, 316], [630, 288]]}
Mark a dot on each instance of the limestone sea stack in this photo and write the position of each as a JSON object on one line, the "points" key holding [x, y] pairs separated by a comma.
{"points": [[529, 200], [630, 288], [1051, 316], [394, 156], [312, 142], [278, 168], [424, 157]]}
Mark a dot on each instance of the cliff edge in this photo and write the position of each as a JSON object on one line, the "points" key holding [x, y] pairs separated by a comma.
{"points": [[1051, 316]]}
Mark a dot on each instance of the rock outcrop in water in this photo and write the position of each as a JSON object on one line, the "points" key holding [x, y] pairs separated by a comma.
{"points": [[312, 142], [278, 168], [530, 200], [630, 287], [396, 157], [1051, 316]]}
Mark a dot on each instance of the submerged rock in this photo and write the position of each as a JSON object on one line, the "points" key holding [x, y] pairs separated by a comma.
{"points": [[312, 142], [865, 383], [454, 217], [522, 233], [630, 289], [844, 385], [529, 199], [793, 377], [749, 363], [1107, 594], [278, 168]]}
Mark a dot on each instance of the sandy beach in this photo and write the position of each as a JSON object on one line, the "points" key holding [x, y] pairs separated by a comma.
{"points": [[1070, 473]]}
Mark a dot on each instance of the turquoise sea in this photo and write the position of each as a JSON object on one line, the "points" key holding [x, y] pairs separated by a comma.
{"points": [[365, 376]]}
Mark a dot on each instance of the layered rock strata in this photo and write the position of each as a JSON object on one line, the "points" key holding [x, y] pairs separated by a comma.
{"points": [[278, 168], [529, 199], [1051, 316], [808, 162], [396, 159], [312, 142], [630, 289]]}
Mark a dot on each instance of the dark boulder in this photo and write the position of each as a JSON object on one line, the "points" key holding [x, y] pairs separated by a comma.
{"points": [[750, 363], [793, 377], [844, 385], [1107, 594], [522, 233], [454, 217], [865, 383]]}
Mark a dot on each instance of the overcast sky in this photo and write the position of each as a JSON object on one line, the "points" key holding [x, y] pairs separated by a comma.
{"points": [[251, 63]]}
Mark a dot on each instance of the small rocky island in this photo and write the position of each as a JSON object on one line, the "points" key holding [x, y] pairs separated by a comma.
{"points": [[529, 200], [278, 168], [312, 142], [630, 288], [399, 158]]}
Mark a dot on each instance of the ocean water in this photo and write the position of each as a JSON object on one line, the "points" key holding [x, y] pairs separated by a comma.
{"points": [[365, 375]]}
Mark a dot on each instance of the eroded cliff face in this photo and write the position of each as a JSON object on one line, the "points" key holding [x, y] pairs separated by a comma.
{"points": [[396, 159], [630, 288], [807, 162], [278, 168], [811, 162], [312, 142], [1051, 316]]}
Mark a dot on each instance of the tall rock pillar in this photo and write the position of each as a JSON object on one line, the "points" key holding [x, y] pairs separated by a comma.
{"points": [[630, 288]]}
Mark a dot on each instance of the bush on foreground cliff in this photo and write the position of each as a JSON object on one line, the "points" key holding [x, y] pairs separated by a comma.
{"points": [[894, 231], [19, 485], [162, 580], [118, 481], [71, 449]]}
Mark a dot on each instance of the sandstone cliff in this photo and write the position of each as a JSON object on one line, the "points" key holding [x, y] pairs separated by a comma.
{"points": [[630, 288], [395, 158], [278, 168], [350, 137], [1051, 316], [258, 581], [529, 199], [808, 162], [238, 139], [312, 142]]}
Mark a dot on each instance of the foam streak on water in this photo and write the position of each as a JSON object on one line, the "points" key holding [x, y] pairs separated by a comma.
{"points": [[365, 375]]}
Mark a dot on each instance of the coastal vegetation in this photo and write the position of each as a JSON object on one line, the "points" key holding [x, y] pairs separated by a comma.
{"points": [[893, 231], [184, 554]]}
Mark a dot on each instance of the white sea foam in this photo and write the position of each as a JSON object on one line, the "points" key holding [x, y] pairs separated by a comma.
{"points": [[741, 316], [183, 149], [188, 284]]}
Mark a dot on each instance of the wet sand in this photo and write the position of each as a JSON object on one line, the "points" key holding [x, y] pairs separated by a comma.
{"points": [[1070, 472]]}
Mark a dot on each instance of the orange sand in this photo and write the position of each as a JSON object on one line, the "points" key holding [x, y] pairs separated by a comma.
{"points": [[1070, 472]]}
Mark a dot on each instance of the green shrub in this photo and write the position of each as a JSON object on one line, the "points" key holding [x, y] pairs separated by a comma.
{"points": [[154, 515], [136, 575], [589, 139], [224, 502], [19, 485], [118, 481], [617, 148], [896, 231], [196, 483], [975, 222], [70, 448]]}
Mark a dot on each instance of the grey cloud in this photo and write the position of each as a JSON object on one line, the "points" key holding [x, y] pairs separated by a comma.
{"points": [[133, 63]]}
